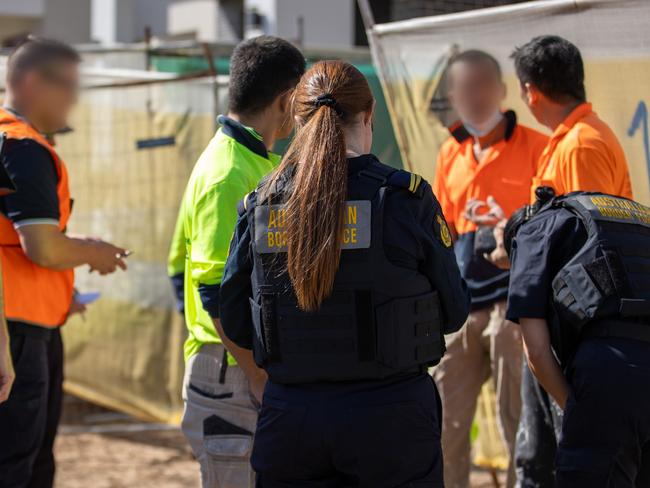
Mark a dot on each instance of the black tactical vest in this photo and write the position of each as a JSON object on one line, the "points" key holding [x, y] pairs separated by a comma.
{"points": [[604, 290], [380, 320]]}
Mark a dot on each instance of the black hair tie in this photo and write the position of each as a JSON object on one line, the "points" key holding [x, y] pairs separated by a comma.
{"points": [[328, 100]]}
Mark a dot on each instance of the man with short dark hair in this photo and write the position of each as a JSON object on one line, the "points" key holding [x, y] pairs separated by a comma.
{"points": [[489, 156], [583, 154], [223, 386], [37, 256]]}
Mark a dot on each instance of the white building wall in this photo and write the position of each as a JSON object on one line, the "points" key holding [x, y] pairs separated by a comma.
{"points": [[194, 16], [209, 20], [325, 23]]}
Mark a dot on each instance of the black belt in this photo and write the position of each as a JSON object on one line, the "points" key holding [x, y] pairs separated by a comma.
{"points": [[35, 331], [638, 331]]}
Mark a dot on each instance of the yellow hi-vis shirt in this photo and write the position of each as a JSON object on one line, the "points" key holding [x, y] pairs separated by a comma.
{"points": [[230, 167]]}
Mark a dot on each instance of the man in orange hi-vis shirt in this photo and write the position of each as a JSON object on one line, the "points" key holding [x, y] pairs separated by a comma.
{"points": [[489, 156], [582, 154]]}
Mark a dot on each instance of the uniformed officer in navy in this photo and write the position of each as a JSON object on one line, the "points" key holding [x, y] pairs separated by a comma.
{"points": [[343, 281], [580, 288]]}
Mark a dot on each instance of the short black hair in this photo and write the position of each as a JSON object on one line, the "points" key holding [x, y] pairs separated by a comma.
{"points": [[38, 53], [476, 56], [554, 65], [261, 69]]}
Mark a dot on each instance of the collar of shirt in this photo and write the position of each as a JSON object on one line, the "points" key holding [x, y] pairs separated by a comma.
{"points": [[578, 113], [244, 135], [358, 163], [460, 133], [15, 113]]}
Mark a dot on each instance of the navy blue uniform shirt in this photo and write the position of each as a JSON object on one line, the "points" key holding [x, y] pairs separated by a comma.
{"points": [[411, 240], [542, 246]]}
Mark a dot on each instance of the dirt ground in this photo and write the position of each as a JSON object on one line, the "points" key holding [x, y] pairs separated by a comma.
{"points": [[102, 449]]}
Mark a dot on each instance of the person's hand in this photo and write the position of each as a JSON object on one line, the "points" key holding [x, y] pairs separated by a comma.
{"points": [[256, 383], [7, 373], [76, 307], [499, 257], [106, 258], [474, 213]]}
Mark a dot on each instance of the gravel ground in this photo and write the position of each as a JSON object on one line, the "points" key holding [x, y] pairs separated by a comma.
{"points": [[101, 449]]}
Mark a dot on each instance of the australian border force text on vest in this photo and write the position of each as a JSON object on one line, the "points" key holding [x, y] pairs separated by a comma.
{"points": [[271, 227]]}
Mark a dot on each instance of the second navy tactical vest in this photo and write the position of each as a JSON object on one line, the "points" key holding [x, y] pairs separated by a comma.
{"points": [[604, 289], [380, 319]]}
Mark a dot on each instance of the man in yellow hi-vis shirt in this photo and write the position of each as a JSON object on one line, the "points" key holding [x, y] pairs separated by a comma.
{"points": [[222, 383]]}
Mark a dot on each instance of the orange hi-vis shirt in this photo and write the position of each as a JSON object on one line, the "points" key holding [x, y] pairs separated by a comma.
{"points": [[505, 173], [583, 154]]}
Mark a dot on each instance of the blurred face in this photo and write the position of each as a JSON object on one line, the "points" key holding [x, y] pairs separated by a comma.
{"points": [[475, 91], [52, 92]]}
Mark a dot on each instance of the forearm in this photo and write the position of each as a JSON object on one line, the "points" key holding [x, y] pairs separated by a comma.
{"points": [[542, 361], [244, 357], [55, 250]]}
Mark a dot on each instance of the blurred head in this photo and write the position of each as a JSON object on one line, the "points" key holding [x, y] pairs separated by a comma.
{"points": [[476, 90], [550, 72], [43, 82], [263, 72], [332, 104]]}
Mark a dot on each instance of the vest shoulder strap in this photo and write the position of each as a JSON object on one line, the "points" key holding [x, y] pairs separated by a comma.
{"points": [[396, 178], [408, 181], [594, 208]]}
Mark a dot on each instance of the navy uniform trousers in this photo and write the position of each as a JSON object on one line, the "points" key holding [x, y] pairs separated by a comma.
{"points": [[605, 439], [375, 434], [605, 430]]}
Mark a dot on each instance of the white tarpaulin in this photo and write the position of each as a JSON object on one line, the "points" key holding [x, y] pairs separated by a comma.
{"points": [[614, 38]]}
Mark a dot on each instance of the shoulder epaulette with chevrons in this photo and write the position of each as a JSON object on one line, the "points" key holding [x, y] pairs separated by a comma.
{"points": [[409, 181]]}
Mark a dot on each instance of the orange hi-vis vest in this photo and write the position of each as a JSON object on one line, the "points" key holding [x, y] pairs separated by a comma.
{"points": [[34, 294]]}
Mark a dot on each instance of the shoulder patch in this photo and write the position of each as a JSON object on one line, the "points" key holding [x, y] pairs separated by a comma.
{"points": [[442, 230], [409, 181]]}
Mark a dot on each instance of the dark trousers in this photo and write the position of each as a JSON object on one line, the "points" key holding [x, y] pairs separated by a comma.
{"points": [[605, 441], [382, 434], [539, 428], [30, 417]]}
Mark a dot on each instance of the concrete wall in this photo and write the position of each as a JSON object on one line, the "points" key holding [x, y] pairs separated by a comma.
{"points": [[325, 23], [67, 20], [208, 20]]}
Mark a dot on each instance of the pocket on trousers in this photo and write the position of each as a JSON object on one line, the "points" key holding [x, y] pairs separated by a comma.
{"points": [[399, 443], [225, 460], [584, 468], [201, 405], [30, 359], [277, 437]]}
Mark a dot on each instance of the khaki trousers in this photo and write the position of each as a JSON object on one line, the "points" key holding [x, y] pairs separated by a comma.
{"points": [[487, 346], [219, 419]]}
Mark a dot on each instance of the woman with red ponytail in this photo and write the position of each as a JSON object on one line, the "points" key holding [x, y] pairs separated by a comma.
{"points": [[343, 282]]}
